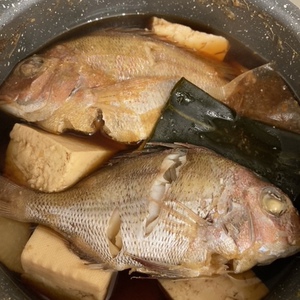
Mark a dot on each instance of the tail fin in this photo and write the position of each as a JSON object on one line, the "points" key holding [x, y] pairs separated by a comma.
{"points": [[12, 200]]}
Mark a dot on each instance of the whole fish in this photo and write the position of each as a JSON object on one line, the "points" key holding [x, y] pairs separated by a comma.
{"points": [[182, 212], [120, 78]]}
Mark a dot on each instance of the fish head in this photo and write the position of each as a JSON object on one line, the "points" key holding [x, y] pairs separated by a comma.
{"points": [[43, 82], [37, 82], [273, 228]]}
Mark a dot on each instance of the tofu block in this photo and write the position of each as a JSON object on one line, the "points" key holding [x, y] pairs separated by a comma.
{"points": [[55, 270], [14, 236], [211, 45], [50, 162], [244, 286]]}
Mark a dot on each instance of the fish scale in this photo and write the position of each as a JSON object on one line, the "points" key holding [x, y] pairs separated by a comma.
{"points": [[141, 212]]}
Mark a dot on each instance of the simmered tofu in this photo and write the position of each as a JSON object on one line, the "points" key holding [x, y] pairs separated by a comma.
{"points": [[244, 286], [49, 265], [50, 162], [203, 43], [14, 235]]}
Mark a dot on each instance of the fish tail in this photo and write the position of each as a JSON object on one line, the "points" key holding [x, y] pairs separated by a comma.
{"points": [[12, 200]]}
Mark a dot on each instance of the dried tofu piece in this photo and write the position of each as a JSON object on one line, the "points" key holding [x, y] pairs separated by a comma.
{"points": [[54, 269], [14, 236], [203, 43], [50, 162], [244, 286]]}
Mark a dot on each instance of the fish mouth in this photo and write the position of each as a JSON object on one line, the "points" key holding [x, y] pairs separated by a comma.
{"points": [[262, 256], [281, 246], [287, 245]]}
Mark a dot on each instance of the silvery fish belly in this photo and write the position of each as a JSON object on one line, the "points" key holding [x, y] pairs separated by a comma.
{"points": [[181, 212]]}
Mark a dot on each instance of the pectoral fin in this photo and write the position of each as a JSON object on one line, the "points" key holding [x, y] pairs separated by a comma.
{"points": [[163, 270]]}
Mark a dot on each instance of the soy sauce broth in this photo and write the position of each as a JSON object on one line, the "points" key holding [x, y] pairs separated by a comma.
{"points": [[126, 287]]}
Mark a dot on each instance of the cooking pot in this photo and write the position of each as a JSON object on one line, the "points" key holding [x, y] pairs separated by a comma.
{"points": [[266, 30]]}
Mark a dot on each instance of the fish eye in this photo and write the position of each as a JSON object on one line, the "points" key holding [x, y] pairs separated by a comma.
{"points": [[273, 202], [31, 66]]}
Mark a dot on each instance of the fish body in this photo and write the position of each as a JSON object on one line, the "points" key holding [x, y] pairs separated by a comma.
{"points": [[109, 75], [182, 212]]}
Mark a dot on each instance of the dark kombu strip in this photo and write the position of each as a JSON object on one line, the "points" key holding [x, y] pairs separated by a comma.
{"points": [[192, 116]]}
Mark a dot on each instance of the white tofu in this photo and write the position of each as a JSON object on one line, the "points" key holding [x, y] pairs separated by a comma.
{"points": [[49, 162], [244, 286], [203, 43], [14, 235], [49, 265]]}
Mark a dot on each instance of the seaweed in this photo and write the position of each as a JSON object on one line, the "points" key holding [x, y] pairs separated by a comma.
{"points": [[193, 116]]}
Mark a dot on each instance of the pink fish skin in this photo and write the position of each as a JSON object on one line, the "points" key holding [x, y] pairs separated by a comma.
{"points": [[182, 212]]}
